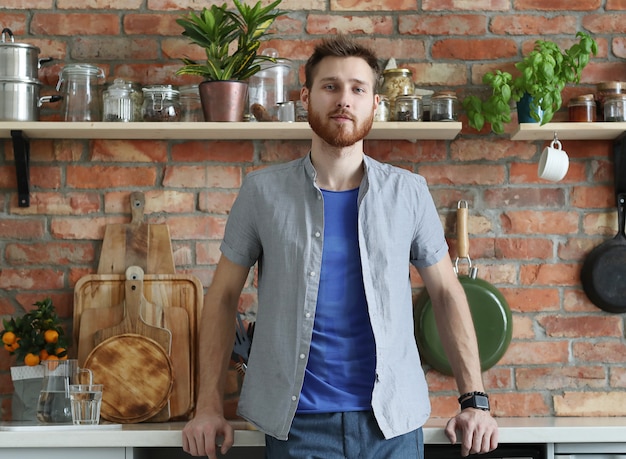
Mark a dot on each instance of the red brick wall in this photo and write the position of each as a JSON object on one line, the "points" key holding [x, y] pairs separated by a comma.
{"points": [[529, 237]]}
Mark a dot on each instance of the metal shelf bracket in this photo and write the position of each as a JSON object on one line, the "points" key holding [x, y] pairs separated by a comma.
{"points": [[21, 153]]}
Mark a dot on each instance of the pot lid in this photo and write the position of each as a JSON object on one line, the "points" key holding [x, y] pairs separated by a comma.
{"points": [[4, 43]]}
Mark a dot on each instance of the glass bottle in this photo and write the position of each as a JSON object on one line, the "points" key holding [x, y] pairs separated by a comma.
{"points": [[382, 111], [117, 102], [582, 108], [161, 103], [81, 94], [443, 106], [615, 108], [408, 108], [396, 82], [190, 105]]}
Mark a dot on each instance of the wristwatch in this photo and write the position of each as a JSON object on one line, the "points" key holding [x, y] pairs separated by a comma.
{"points": [[478, 400]]}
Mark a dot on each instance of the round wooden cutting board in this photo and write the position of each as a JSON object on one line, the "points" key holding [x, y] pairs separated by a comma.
{"points": [[137, 376]]}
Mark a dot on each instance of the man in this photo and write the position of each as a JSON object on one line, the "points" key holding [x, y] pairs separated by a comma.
{"points": [[334, 371]]}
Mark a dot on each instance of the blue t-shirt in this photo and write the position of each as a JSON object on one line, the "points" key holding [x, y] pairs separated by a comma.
{"points": [[341, 365]]}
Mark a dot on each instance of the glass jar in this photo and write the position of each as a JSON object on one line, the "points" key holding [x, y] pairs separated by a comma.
{"points": [[443, 106], [615, 108], [82, 97], [118, 103], [160, 103], [408, 108], [582, 108], [604, 90], [396, 82], [190, 105], [382, 111]]}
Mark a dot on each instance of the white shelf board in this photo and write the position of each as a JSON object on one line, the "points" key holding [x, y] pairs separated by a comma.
{"points": [[216, 131], [569, 131]]}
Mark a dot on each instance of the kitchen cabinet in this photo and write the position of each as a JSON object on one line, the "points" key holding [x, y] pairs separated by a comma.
{"points": [[21, 132]]}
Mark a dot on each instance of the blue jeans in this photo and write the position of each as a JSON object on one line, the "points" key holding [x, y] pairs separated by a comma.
{"points": [[348, 435]]}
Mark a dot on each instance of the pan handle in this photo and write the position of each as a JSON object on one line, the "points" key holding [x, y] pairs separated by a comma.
{"points": [[462, 239], [621, 214]]}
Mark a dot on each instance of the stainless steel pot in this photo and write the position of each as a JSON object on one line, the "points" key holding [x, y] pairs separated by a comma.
{"points": [[19, 99], [18, 60]]}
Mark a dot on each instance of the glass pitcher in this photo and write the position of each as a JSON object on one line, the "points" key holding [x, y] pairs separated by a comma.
{"points": [[81, 95], [269, 87], [54, 405]]}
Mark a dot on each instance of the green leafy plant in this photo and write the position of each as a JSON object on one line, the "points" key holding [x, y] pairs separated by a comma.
{"points": [[35, 336], [216, 28], [543, 75]]}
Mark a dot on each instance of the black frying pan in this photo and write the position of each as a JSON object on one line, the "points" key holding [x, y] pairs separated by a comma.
{"points": [[603, 273], [490, 313]]}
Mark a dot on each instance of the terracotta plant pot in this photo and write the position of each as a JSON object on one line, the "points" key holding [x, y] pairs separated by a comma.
{"points": [[223, 100]]}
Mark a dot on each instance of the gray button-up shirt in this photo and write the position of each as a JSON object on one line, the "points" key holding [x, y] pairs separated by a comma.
{"points": [[277, 220]]}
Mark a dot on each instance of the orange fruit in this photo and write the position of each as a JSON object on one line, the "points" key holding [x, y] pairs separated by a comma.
{"points": [[8, 337], [12, 347], [43, 354], [31, 359], [52, 357], [51, 336]]}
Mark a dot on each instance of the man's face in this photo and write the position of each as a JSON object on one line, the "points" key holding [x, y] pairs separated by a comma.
{"points": [[342, 100]]}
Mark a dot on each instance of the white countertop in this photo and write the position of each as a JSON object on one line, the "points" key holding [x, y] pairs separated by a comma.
{"points": [[512, 430]]}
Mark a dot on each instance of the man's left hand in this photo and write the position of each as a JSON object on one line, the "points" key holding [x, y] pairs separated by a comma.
{"points": [[477, 429]]}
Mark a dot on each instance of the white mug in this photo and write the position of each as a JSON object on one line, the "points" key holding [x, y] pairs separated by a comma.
{"points": [[553, 163]]}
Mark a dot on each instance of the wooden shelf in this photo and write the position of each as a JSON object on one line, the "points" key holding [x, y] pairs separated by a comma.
{"points": [[217, 131], [569, 131]]}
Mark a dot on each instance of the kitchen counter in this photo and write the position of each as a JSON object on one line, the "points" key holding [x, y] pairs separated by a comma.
{"points": [[512, 430]]}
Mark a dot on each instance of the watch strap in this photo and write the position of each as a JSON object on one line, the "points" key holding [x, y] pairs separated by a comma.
{"points": [[478, 400]]}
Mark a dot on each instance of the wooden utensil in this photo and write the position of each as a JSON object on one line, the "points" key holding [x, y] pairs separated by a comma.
{"points": [[136, 244], [177, 321], [137, 376], [134, 302]]}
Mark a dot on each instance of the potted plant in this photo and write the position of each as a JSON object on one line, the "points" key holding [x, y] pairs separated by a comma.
{"points": [[543, 75], [219, 30], [36, 336]]}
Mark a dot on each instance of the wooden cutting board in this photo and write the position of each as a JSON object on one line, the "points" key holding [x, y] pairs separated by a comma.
{"points": [[176, 291], [136, 244], [137, 376]]}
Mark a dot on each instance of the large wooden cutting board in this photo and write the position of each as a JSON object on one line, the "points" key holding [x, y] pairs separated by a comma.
{"points": [[136, 244], [103, 291]]}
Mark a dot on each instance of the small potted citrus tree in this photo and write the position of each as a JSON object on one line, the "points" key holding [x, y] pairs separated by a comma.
{"points": [[231, 42], [543, 76], [35, 337]]}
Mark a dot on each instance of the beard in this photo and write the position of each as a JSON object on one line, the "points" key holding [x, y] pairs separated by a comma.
{"points": [[339, 135]]}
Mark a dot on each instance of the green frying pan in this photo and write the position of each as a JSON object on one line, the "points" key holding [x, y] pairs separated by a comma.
{"points": [[490, 313]]}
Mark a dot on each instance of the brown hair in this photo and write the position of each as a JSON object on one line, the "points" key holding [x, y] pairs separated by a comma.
{"points": [[339, 46]]}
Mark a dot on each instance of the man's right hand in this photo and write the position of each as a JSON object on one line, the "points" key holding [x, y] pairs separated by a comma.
{"points": [[205, 433]]}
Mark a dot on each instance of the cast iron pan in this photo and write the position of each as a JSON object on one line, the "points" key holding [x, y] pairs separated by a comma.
{"points": [[603, 274], [490, 313]]}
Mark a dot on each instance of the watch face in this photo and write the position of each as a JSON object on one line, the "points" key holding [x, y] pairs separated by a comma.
{"points": [[476, 401], [481, 402]]}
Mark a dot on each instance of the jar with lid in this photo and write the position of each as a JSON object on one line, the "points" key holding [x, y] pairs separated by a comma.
{"points": [[396, 82], [443, 106], [382, 111], [604, 90], [160, 103], [615, 108], [82, 99], [119, 102], [582, 108], [190, 105], [408, 108]]}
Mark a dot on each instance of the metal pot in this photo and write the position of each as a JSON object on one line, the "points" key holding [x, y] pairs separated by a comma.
{"points": [[18, 60], [19, 99]]}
